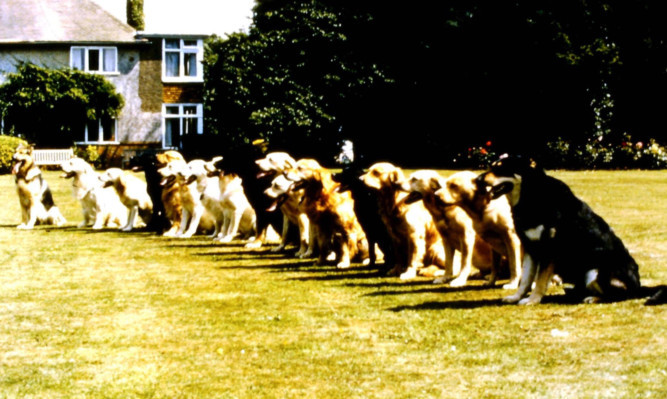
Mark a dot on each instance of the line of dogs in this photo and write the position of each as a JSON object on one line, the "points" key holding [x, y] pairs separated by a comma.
{"points": [[512, 220]]}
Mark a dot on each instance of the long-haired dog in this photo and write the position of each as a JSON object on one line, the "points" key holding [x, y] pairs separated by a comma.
{"points": [[455, 226], [100, 206], [133, 194], [418, 246], [331, 213], [35, 197], [166, 200], [195, 218], [288, 200], [560, 234]]}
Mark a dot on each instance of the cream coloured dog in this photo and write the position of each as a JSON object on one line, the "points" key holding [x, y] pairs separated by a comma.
{"points": [[195, 218], [100, 206], [133, 194], [455, 226]]}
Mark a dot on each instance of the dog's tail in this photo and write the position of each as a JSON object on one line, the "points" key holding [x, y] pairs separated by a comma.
{"points": [[658, 296]]}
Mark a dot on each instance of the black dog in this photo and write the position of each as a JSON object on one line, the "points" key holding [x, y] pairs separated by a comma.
{"points": [[365, 206], [561, 234], [148, 163]]}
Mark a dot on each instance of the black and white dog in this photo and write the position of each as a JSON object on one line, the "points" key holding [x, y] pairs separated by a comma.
{"points": [[561, 234]]}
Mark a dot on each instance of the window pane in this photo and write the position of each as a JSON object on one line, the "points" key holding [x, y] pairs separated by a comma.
{"points": [[109, 129], [172, 132], [189, 126], [78, 58], [93, 60], [189, 43], [109, 60], [172, 43], [172, 110], [172, 64], [190, 61], [92, 131], [190, 110]]}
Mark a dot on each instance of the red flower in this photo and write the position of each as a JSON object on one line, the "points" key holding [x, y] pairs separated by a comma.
{"points": [[488, 143], [483, 151]]}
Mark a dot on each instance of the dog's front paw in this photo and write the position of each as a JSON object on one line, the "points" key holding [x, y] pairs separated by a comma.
{"points": [[512, 285], [531, 300], [24, 226], [343, 265], [459, 281], [254, 244], [279, 248], [440, 280], [592, 299], [409, 274], [512, 299]]}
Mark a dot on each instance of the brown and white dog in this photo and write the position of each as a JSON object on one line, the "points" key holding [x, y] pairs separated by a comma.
{"points": [[275, 164], [100, 206], [35, 197], [418, 246], [330, 212], [170, 192], [133, 194], [492, 218]]}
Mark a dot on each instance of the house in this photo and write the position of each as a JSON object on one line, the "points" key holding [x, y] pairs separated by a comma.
{"points": [[159, 75]]}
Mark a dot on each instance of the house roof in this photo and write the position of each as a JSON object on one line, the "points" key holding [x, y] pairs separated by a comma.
{"points": [[52, 21]]}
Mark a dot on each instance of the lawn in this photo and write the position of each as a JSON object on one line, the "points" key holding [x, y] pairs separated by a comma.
{"points": [[88, 314]]}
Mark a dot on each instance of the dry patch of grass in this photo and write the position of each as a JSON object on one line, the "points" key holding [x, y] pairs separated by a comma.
{"points": [[111, 314]]}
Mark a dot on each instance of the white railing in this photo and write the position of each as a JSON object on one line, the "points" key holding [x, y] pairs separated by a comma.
{"points": [[51, 157]]}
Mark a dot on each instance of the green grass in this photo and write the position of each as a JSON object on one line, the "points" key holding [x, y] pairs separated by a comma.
{"points": [[87, 314]]}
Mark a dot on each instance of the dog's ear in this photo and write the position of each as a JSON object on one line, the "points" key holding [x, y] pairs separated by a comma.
{"points": [[435, 185], [413, 197], [501, 189], [395, 176]]}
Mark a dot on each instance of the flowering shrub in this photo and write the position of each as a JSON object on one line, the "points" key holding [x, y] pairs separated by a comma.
{"points": [[479, 157]]}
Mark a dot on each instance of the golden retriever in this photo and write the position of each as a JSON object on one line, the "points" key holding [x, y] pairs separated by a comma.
{"points": [[100, 206], [275, 164], [330, 212], [492, 218], [35, 197], [418, 246], [170, 192], [457, 228], [195, 218], [133, 194]]}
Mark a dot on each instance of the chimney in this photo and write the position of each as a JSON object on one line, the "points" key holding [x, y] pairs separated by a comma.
{"points": [[135, 14]]}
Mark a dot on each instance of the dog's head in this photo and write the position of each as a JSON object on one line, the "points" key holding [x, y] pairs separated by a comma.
{"points": [[506, 175], [420, 184], [22, 159], [460, 188], [306, 171], [383, 176], [172, 172], [112, 177], [75, 167], [274, 163], [279, 189]]}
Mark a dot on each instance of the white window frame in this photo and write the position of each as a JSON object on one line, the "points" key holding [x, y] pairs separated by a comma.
{"points": [[182, 50], [98, 138], [86, 63], [181, 116]]}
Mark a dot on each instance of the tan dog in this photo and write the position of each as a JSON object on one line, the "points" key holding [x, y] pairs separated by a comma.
{"points": [[35, 197], [100, 206], [171, 192], [289, 200], [417, 243], [275, 164], [492, 218], [133, 194], [331, 213], [455, 226], [194, 216]]}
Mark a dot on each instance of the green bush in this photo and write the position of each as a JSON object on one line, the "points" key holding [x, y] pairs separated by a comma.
{"points": [[8, 146], [89, 154]]}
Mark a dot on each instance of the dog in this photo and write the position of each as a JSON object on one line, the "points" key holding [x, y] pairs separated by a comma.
{"points": [[195, 218], [100, 206], [331, 213], [166, 200], [560, 234], [274, 165], [133, 194], [35, 197], [223, 197], [458, 230], [418, 246], [241, 161], [365, 206]]}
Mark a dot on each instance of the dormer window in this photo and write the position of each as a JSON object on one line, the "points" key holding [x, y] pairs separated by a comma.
{"points": [[102, 60], [182, 60]]}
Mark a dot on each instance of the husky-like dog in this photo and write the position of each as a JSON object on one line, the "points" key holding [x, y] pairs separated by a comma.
{"points": [[133, 194], [35, 197], [100, 206]]}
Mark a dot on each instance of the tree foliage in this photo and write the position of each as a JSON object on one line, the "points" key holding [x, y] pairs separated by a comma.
{"points": [[423, 83], [48, 107]]}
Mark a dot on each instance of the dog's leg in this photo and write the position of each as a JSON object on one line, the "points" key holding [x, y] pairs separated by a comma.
{"points": [[283, 236], [449, 262], [237, 215], [185, 218], [344, 251], [416, 253], [513, 251], [544, 274], [527, 277], [467, 246], [194, 221], [304, 232], [130, 218], [312, 240]]}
